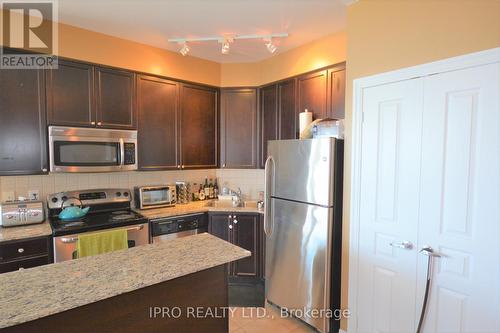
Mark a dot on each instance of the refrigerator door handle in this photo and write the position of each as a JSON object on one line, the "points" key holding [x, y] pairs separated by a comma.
{"points": [[267, 195]]}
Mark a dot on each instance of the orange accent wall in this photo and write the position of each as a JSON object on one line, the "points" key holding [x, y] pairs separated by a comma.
{"points": [[326, 51], [385, 35]]}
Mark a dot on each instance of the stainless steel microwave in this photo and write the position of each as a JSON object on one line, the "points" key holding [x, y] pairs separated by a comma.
{"points": [[155, 196], [78, 149]]}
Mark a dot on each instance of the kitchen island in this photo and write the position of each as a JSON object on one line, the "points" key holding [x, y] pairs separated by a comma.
{"points": [[123, 291]]}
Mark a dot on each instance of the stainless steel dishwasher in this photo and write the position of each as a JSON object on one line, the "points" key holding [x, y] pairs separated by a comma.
{"points": [[163, 229]]}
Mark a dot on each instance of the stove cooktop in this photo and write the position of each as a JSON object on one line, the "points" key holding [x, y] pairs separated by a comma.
{"points": [[96, 221]]}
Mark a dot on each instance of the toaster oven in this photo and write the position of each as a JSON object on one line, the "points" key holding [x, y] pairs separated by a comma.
{"points": [[147, 197]]}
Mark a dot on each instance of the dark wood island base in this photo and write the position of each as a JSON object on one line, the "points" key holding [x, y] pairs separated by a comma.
{"points": [[196, 302]]}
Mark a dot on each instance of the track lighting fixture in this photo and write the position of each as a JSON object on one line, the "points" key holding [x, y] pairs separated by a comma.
{"points": [[185, 49], [226, 41]]}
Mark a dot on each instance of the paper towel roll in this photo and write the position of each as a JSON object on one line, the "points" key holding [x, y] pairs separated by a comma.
{"points": [[305, 118]]}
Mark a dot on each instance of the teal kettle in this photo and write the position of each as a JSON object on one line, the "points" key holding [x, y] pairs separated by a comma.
{"points": [[72, 212]]}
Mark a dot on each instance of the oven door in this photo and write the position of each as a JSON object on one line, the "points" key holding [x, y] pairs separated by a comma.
{"points": [[65, 246]]}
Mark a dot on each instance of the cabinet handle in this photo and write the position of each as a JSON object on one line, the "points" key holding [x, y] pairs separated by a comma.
{"points": [[44, 170], [230, 216], [99, 124], [182, 166], [20, 268], [20, 250], [235, 221], [230, 226], [224, 165], [92, 123], [179, 166]]}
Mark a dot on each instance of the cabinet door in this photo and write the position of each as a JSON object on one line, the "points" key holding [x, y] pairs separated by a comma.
{"points": [[287, 113], [70, 94], [157, 103], [218, 225], [336, 93], [312, 94], [268, 119], [23, 139], [198, 127], [115, 102], [239, 128], [246, 234]]}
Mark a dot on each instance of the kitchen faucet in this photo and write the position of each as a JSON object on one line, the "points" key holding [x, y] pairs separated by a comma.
{"points": [[236, 197]]}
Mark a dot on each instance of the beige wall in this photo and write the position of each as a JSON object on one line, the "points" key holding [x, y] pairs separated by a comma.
{"points": [[385, 35], [323, 52], [86, 45]]}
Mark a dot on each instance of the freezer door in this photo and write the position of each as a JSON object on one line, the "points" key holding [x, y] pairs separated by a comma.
{"points": [[297, 260], [303, 170]]}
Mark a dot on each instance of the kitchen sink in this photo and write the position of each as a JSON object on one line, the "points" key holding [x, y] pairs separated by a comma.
{"points": [[229, 204]]}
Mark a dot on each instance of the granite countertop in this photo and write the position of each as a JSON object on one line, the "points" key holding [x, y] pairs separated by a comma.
{"points": [[194, 207], [45, 290], [28, 231]]}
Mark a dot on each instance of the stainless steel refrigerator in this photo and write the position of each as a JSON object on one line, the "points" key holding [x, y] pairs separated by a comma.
{"points": [[303, 227]]}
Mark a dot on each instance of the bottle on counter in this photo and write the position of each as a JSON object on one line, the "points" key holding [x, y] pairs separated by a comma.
{"points": [[211, 189], [216, 189], [201, 193], [206, 188]]}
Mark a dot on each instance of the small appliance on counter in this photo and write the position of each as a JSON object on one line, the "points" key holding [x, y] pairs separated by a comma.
{"points": [[21, 212], [109, 210], [147, 197], [183, 192]]}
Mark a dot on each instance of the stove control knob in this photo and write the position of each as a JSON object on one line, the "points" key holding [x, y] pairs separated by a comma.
{"points": [[54, 200], [64, 198], [125, 194], [118, 194]]}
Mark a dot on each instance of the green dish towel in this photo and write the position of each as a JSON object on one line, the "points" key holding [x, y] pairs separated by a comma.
{"points": [[101, 242]]}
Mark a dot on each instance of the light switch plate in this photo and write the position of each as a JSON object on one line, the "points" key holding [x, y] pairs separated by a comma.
{"points": [[8, 196], [34, 194]]}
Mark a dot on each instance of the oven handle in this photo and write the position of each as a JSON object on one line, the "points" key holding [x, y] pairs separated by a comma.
{"points": [[74, 239]]}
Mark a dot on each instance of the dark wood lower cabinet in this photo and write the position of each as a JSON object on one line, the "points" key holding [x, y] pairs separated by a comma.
{"points": [[25, 253], [23, 132], [245, 231]]}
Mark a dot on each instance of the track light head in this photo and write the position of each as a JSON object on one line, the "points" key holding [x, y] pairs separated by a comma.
{"points": [[271, 47], [226, 45], [185, 49]]}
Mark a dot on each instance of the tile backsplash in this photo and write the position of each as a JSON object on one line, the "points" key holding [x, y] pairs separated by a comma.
{"points": [[52, 183], [250, 181]]}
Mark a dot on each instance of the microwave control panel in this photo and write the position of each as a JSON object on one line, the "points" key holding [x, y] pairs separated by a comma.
{"points": [[129, 149]]}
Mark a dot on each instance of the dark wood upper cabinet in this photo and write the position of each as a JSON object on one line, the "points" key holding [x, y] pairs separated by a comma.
{"points": [[268, 119], [239, 128], [23, 138], [70, 94], [336, 93], [246, 234], [311, 94], [198, 126], [287, 113], [158, 111], [115, 98]]}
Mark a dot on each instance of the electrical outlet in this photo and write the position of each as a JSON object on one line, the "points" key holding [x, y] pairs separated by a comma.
{"points": [[8, 196], [34, 194]]}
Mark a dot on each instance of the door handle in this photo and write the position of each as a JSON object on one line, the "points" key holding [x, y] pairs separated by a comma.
{"points": [[267, 196], [407, 245], [429, 251]]}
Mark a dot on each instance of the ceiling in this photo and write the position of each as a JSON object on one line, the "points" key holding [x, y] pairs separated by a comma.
{"points": [[153, 22]]}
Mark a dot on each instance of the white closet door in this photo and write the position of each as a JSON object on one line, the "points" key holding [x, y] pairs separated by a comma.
{"points": [[391, 137], [460, 199]]}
